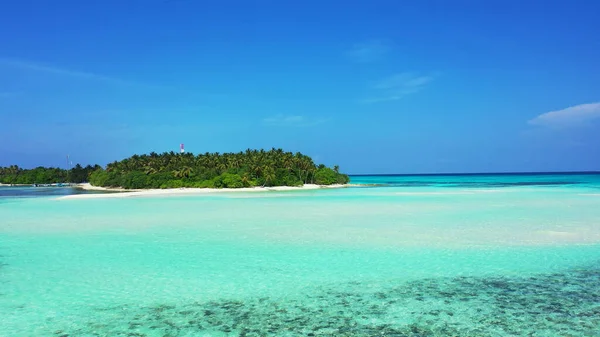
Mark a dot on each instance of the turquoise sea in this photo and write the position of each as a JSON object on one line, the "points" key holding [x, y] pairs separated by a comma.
{"points": [[455, 255]]}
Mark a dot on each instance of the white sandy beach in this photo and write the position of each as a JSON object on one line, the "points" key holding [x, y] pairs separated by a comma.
{"points": [[123, 193]]}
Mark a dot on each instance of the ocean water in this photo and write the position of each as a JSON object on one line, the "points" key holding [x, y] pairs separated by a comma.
{"points": [[470, 255]]}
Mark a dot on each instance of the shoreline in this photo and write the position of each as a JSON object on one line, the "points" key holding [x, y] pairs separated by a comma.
{"points": [[40, 185], [124, 193]]}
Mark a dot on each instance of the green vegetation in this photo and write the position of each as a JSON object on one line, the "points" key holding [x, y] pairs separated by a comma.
{"points": [[214, 170], [45, 175], [172, 170]]}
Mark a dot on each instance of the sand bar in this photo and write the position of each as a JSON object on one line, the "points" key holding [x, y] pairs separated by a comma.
{"points": [[123, 193]]}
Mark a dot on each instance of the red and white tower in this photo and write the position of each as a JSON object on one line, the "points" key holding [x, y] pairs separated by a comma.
{"points": [[181, 149]]}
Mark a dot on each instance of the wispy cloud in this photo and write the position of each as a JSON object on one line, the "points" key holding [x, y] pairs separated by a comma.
{"points": [[574, 116], [292, 120], [33, 66], [398, 86], [370, 51]]}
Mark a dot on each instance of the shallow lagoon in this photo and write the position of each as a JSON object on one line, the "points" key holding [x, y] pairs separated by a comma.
{"points": [[424, 256]]}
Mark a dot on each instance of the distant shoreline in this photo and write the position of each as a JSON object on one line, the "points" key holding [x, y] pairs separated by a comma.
{"points": [[459, 174], [124, 193], [39, 185], [14, 185]]}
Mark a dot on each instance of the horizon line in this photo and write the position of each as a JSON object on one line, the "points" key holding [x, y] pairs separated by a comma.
{"points": [[471, 174]]}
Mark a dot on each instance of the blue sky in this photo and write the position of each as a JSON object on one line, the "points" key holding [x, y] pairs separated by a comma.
{"points": [[374, 86]]}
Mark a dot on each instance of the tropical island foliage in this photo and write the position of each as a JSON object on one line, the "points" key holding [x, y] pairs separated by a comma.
{"points": [[45, 175], [173, 170], [215, 170]]}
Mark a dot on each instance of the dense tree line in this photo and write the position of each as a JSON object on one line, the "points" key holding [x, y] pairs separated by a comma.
{"points": [[215, 170], [45, 175]]}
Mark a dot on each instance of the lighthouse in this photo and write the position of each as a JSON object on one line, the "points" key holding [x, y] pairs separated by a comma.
{"points": [[181, 149]]}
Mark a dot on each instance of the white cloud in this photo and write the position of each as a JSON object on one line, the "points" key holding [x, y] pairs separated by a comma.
{"points": [[574, 116], [398, 86], [27, 65], [370, 51], [292, 120]]}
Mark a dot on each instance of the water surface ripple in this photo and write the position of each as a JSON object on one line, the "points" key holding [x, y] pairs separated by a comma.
{"points": [[462, 255]]}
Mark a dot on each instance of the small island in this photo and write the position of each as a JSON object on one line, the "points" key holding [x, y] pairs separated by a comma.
{"points": [[250, 168], [17, 176]]}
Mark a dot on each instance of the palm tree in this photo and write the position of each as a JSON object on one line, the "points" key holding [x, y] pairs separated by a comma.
{"points": [[150, 170], [257, 170], [233, 162], [14, 171], [265, 166], [288, 162], [246, 180], [268, 175], [183, 172], [186, 171], [221, 167]]}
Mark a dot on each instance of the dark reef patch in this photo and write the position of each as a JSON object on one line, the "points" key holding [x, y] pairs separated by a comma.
{"points": [[561, 304]]}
